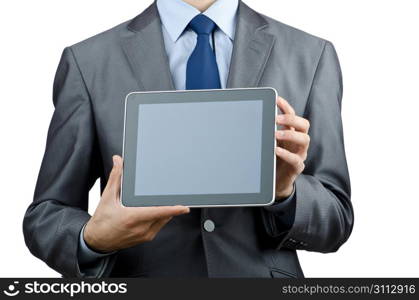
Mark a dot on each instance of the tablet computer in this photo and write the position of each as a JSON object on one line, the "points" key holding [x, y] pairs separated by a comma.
{"points": [[199, 148]]}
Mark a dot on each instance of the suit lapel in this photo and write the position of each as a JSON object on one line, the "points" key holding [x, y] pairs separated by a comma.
{"points": [[146, 52], [251, 49]]}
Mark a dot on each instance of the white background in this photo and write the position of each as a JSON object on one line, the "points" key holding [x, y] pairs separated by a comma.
{"points": [[378, 45]]}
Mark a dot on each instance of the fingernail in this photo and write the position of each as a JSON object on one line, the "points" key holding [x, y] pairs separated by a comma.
{"points": [[280, 133], [115, 162], [280, 117], [185, 210]]}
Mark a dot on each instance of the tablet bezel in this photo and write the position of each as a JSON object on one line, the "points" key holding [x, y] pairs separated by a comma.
{"points": [[268, 161]]}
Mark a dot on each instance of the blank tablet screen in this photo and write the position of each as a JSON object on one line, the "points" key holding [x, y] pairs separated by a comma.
{"points": [[199, 148]]}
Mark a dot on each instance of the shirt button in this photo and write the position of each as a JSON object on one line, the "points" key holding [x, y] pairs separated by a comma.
{"points": [[209, 225]]}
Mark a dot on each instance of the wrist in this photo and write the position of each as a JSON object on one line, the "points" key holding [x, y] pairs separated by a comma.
{"points": [[91, 241], [283, 194]]}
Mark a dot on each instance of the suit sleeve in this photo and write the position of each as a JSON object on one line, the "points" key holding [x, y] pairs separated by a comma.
{"points": [[323, 217], [70, 166]]}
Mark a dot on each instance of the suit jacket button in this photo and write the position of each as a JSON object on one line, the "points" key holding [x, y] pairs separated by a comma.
{"points": [[209, 226]]}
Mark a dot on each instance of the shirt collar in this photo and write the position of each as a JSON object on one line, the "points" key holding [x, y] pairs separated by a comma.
{"points": [[176, 15]]}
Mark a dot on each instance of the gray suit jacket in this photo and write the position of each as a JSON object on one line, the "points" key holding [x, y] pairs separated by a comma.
{"points": [[92, 80]]}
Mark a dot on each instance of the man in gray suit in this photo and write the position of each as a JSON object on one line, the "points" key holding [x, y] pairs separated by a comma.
{"points": [[312, 210]]}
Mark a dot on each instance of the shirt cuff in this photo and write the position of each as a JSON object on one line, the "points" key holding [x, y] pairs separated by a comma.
{"points": [[91, 264]]}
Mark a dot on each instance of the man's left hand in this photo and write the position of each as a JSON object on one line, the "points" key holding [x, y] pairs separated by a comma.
{"points": [[293, 142]]}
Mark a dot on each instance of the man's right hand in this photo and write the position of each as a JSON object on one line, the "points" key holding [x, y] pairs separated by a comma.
{"points": [[114, 227]]}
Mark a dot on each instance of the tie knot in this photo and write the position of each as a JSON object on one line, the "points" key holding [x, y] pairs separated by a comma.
{"points": [[201, 24]]}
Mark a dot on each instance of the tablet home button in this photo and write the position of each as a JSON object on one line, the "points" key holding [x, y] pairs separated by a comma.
{"points": [[209, 225]]}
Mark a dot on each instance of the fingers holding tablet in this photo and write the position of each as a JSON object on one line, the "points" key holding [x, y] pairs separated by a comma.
{"points": [[113, 226], [293, 142]]}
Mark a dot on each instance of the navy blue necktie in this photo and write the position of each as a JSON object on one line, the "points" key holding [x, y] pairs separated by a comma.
{"points": [[201, 69]]}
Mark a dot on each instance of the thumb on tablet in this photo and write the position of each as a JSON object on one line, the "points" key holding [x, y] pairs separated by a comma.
{"points": [[114, 181]]}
